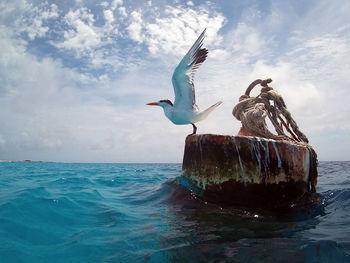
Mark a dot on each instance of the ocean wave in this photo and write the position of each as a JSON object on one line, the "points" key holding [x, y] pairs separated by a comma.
{"points": [[148, 213]]}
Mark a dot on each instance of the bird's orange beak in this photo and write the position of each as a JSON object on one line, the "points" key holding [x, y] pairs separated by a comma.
{"points": [[152, 104]]}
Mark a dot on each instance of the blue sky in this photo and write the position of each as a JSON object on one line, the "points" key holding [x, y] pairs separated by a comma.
{"points": [[75, 75]]}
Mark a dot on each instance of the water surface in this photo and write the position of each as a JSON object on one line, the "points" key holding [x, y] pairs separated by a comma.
{"points": [[56, 212]]}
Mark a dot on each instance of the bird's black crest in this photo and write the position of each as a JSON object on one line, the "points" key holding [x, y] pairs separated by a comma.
{"points": [[167, 101]]}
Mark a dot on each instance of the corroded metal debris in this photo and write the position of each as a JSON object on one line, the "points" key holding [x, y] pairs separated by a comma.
{"points": [[244, 169], [256, 167], [252, 112]]}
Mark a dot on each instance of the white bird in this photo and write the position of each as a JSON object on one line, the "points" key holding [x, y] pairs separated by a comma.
{"points": [[184, 110]]}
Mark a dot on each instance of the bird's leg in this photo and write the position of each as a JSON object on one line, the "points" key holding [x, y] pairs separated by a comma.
{"points": [[194, 128]]}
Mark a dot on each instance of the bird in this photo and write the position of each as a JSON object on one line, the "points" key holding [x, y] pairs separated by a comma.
{"points": [[184, 110]]}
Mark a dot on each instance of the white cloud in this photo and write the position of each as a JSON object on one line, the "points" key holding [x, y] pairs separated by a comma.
{"points": [[109, 17], [104, 4], [250, 41], [82, 36], [28, 18], [135, 27], [52, 112], [312, 75], [175, 29], [116, 3], [220, 54], [322, 59], [122, 11], [324, 56], [35, 26], [301, 97], [86, 39]]}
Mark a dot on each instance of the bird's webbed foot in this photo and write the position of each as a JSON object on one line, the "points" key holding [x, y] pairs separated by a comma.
{"points": [[194, 129]]}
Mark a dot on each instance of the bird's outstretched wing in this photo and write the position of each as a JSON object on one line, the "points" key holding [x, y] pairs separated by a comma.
{"points": [[183, 75]]}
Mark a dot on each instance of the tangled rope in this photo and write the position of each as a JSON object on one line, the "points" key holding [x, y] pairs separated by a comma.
{"points": [[252, 112]]}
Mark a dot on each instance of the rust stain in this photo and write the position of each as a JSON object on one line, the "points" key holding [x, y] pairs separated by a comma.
{"points": [[213, 161]]}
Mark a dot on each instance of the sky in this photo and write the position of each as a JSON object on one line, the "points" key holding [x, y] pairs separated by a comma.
{"points": [[75, 75]]}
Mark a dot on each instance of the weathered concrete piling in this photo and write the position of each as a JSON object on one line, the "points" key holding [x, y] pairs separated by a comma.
{"points": [[250, 170]]}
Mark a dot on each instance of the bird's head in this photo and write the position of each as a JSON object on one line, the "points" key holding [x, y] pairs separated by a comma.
{"points": [[162, 103]]}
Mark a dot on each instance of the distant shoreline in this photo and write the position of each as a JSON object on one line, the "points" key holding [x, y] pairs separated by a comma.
{"points": [[19, 161], [30, 161]]}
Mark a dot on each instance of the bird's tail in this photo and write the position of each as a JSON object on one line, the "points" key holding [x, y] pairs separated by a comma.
{"points": [[205, 113]]}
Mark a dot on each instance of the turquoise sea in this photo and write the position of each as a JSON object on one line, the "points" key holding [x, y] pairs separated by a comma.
{"points": [[65, 212]]}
